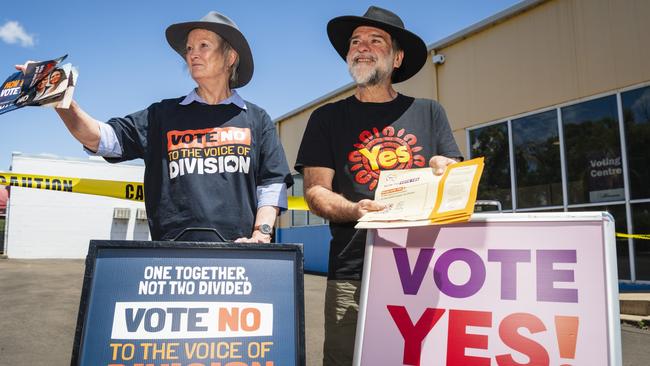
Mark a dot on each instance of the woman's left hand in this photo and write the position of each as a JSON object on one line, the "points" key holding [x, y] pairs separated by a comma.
{"points": [[257, 237], [265, 215]]}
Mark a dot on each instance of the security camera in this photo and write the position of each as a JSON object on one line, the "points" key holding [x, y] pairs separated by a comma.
{"points": [[438, 59]]}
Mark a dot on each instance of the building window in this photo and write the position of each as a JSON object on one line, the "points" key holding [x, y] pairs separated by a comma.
{"points": [[302, 218], [594, 165], [622, 245], [492, 143], [538, 175], [636, 118], [298, 218], [641, 224], [598, 175]]}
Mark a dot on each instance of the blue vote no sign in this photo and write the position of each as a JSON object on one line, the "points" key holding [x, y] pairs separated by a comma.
{"points": [[181, 304]]}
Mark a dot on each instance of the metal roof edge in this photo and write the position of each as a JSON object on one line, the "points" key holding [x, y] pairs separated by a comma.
{"points": [[486, 23], [316, 101]]}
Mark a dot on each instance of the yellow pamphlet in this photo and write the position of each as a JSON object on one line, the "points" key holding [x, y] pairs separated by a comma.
{"points": [[417, 197]]}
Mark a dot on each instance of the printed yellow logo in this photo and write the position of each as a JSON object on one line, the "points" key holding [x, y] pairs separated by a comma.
{"points": [[383, 150], [386, 159]]}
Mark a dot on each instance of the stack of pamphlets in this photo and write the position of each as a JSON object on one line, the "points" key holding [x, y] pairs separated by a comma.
{"points": [[417, 197], [45, 83]]}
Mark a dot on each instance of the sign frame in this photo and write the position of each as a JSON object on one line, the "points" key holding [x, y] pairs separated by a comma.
{"points": [[613, 337], [97, 246]]}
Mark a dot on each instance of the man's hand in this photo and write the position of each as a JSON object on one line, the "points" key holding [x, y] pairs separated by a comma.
{"points": [[333, 206], [439, 163], [364, 206]]}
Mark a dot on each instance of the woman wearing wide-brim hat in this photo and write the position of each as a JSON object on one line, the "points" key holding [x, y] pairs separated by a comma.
{"points": [[212, 160]]}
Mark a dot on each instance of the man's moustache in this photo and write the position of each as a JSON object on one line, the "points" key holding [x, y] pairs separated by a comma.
{"points": [[355, 58]]}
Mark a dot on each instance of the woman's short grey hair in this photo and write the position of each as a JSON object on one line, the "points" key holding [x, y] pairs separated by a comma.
{"points": [[225, 49]]}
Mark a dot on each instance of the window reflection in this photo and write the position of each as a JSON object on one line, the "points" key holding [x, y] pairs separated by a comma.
{"points": [[636, 115], [302, 218], [537, 160], [641, 224], [298, 218], [593, 151], [594, 165], [313, 219], [492, 143], [622, 246]]}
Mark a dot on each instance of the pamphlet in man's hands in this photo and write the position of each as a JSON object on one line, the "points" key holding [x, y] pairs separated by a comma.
{"points": [[417, 197], [44, 83]]}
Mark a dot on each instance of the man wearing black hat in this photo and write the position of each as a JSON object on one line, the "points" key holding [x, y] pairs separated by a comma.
{"points": [[347, 143]]}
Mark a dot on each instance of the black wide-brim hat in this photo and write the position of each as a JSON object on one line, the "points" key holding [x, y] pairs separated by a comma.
{"points": [[339, 31], [227, 29]]}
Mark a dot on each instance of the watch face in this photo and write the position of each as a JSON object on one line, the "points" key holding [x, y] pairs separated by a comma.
{"points": [[266, 229]]}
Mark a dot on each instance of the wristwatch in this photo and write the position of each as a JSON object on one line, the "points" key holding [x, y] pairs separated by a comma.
{"points": [[265, 229]]}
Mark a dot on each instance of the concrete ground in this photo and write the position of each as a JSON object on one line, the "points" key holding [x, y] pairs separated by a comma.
{"points": [[39, 301]]}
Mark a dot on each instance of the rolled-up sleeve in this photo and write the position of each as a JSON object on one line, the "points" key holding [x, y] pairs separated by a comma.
{"points": [[109, 145], [273, 167], [273, 195]]}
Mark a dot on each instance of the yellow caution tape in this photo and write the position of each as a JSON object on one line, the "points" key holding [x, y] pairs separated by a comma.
{"points": [[298, 203], [133, 191], [634, 236], [126, 190]]}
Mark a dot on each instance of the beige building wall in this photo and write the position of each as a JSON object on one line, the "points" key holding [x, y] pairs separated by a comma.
{"points": [[423, 84], [557, 52], [292, 128], [554, 52]]}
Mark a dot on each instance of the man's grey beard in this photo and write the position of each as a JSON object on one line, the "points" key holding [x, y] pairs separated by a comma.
{"points": [[382, 71]]}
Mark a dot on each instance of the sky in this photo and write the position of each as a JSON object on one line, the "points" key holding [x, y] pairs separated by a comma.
{"points": [[125, 63]]}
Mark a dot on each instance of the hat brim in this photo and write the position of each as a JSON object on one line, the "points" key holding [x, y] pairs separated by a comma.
{"points": [[339, 31], [177, 37]]}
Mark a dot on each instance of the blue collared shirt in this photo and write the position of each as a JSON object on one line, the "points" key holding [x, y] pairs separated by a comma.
{"points": [[234, 98], [109, 146]]}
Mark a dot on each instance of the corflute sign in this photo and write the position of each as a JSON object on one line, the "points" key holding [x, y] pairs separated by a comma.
{"points": [[191, 304], [504, 289]]}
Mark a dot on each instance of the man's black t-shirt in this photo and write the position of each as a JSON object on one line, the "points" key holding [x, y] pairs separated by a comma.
{"points": [[203, 164], [358, 140]]}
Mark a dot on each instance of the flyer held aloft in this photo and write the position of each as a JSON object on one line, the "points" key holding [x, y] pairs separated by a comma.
{"points": [[44, 83], [417, 197]]}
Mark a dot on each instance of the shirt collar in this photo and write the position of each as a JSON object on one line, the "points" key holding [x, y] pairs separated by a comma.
{"points": [[234, 98]]}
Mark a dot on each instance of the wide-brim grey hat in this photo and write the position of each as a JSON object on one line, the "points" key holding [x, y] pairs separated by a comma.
{"points": [[227, 29], [339, 31]]}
